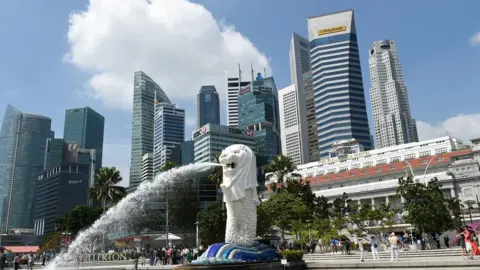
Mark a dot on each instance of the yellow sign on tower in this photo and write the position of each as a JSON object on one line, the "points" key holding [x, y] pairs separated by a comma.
{"points": [[332, 30]]}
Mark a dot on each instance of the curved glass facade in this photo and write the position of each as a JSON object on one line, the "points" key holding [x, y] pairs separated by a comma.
{"points": [[144, 93], [22, 144]]}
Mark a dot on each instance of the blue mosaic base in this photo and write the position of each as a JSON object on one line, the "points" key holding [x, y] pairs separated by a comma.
{"points": [[221, 253]]}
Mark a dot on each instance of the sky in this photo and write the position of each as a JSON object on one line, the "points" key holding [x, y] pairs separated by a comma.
{"points": [[67, 54]]}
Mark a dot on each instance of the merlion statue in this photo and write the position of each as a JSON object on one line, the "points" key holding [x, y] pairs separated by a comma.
{"points": [[240, 194]]}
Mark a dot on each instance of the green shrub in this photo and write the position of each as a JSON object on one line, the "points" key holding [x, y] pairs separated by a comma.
{"points": [[292, 255]]}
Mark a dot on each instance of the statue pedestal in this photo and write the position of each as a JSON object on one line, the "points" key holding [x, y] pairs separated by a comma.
{"points": [[225, 253], [235, 266]]}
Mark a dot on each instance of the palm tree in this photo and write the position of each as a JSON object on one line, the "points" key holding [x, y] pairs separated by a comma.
{"points": [[216, 176], [106, 189], [280, 167]]}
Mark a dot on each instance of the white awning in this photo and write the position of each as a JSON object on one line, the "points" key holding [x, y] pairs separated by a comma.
{"points": [[170, 237]]}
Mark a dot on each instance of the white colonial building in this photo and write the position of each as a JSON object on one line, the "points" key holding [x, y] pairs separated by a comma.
{"points": [[371, 177]]}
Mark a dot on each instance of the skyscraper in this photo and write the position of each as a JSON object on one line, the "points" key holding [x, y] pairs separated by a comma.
{"points": [[258, 112], [293, 101], [86, 127], [313, 151], [392, 120], [208, 106], [340, 107], [23, 139], [289, 125], [145, 90], [169, 132], [234, 84]]}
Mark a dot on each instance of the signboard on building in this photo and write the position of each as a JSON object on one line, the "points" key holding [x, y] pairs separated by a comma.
{"points": [[199, 132], [264, 89], [244, 90], [332, 30], [237, 131]]}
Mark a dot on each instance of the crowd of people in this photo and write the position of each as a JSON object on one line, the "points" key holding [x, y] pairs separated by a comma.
{"points": [[164, 256]]}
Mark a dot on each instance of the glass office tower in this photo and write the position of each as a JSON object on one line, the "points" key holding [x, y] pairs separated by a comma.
{"points": [[23, 139], [340, 108], [145, 91], [86, 127], [208, 106], [258, 111]]}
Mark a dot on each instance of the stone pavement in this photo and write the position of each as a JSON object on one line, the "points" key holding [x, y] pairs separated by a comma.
{"points": [[426, 259]]}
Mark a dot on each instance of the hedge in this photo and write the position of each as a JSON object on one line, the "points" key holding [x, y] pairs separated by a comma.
{"points": [[292, 255]]}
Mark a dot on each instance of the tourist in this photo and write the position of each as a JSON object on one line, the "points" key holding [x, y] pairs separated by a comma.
{"points": [[468, 244], [44, 258], [16, 262], [446, 240], [461, 241], [319, 247], [374, 247], [3, 258], [361, 247], [393, 240], [31, 260]]}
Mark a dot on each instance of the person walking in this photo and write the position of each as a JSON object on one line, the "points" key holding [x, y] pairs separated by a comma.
{"points": [[31, 260], [446, 240], [393, 240], [3, 258], [374, 246], [361, 247], [16, 262]]}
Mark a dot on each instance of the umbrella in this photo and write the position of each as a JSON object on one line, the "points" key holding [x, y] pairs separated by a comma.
{"points": [[170, 237]]}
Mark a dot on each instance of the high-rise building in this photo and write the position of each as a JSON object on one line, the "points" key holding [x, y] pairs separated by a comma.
{"points": [[234, 84], [144, 93], [340, 107], [289, 125], [183, 154], [208, 106], [313, 151], [169, 132], [22, 148], [59, 190], [258, 111], [85, 126], [147, 167], [392, 120], [211, 139], [293, 101]]}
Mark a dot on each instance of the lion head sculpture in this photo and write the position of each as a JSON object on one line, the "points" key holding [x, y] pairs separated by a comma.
{"points": [[239, 172]]}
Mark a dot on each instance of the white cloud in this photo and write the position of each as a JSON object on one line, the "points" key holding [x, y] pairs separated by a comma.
{"points": [[178, 43], [475, 39], [118, 155], [463, 126]]}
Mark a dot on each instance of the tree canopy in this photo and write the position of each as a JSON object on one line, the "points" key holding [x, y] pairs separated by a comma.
{"points": [[426, 206], [105, 190], [79, 218], [212, 222], [184, 205]]}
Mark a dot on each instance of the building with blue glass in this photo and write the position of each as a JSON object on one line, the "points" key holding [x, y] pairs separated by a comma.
{"points": [[183, 154], [145, 91], [22, 158], [169, 132], [258, 112], [340, 109], [86, 127], [208, 106]]}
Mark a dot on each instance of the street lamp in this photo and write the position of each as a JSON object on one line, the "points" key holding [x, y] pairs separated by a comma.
{"points": [[426, 168], [196, 236], [469, 204], [411, 169]]}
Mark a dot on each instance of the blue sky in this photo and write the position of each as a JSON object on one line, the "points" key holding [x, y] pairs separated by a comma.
{"points": [[48, 65]]}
